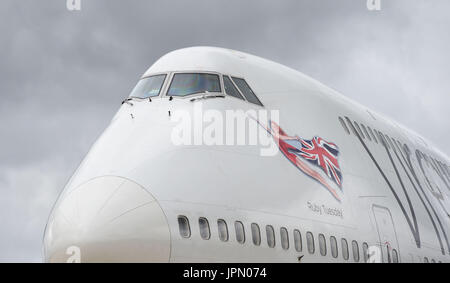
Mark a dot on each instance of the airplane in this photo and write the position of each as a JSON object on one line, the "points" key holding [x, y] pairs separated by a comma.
{"points": [[345, 184]]}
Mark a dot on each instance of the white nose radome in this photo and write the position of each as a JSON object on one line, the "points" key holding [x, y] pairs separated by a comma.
{"points": [[107, 219]]}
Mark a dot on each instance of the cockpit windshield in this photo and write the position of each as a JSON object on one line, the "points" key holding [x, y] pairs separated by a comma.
{"points": [[148, 87], [184, 84]]}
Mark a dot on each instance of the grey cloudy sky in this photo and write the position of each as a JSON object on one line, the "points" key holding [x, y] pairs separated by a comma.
{"points": [[63, 75]]}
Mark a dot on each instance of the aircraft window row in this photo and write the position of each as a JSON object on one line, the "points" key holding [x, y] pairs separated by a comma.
{"points": [[359, 130], [366, 132], [426, 260], [185, 84], [223, 233], [334, 248], [385, 140], [391, 143]]}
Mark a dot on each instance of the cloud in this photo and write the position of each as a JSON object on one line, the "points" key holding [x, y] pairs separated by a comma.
{"points": [[63, 75]]}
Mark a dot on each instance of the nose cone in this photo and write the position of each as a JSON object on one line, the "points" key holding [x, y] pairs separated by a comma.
{"points": [[107, 219]]}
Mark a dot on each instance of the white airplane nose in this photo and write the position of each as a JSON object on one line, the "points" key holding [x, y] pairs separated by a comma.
{"points": [[107, 219]]}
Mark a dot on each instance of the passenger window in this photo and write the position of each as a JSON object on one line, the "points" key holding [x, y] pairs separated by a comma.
{"points": [[344, 125], [240, 232], [247, 91], [397, 144], [230, 89], [355, 249], [256, 234], [373, 136], [384, 142], [183, 225], [425, 259], [284, 238], [298, 240], [322, 245], [270, 233], [378, 136], [310, 242], [394, 256], [344, 245], [365, 252], [387, 141], [390, 142], [148, 87], [433, 261], [388, 251], [334, 247], [446, 170], [365, 132], [184, 84], [351, 126], [205, 233], [223, 230], [359, 130]]}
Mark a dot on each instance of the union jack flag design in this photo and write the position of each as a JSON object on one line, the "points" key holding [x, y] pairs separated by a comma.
{"points": [[323, 154], [304, 153]]}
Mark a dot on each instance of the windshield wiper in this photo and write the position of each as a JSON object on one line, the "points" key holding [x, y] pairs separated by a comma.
{"points": [[127, 101], [207, 95]]}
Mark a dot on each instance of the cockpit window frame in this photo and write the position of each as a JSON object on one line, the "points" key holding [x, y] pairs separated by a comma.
{"points": [[172, 75], [242, 98], [239, 90], [248, 85], [161, 90]]}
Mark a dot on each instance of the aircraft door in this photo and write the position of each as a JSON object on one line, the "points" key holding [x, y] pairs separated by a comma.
{"points": [[388, 242]]}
